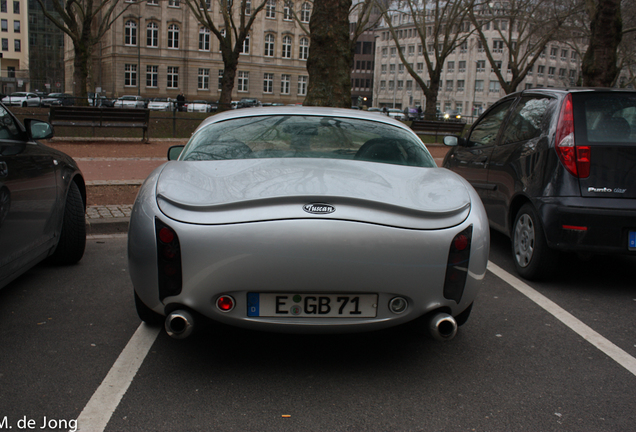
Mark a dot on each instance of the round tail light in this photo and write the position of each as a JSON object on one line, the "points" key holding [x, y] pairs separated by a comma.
{"points": [[225, 303]]}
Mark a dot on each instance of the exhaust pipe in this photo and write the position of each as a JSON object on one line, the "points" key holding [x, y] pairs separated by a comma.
{"points": [[179, 324], [442, 327]]}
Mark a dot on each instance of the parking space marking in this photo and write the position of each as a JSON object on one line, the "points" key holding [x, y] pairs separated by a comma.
{"points": [[614, 352], [99, 409]]}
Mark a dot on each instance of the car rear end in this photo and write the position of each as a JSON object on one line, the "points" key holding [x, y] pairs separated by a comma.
{"points": [[592, 207]]}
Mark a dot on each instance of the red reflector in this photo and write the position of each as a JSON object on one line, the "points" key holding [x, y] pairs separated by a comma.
{"points": [[461, 241], [574, 227], [166, 235], [225, 303]]}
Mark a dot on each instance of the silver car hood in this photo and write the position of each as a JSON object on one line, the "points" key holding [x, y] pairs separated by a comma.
{"points": [[249, 190]]}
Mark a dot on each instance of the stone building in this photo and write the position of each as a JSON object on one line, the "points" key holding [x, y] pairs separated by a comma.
{"points": [[469, 84], [14, 58], [159, 49]]}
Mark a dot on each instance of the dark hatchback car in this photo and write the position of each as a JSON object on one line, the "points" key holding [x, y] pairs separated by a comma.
{"points": [[556, 171], [42, 196]]}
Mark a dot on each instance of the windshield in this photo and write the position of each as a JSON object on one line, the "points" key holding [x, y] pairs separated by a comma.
{"points": [[306, 136]]}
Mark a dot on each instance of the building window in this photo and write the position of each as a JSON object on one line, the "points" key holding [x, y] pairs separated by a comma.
{"points": [[4, 25], [153, 2], [173, 77], [303, 52], [5, 44], [383, 85], [16, 26], [130, 33], [204, 79], [152, 35], [130, 75], [243, 81], [495, 87], [269, 45], [3, 5], [460, 85], [174, 3], [497, 46], [479, 85], [287, 47], [220, 79], [450, 66], [305, 12], [246, 45], [268, 83], [287, 10], [16, 7], [17, 45], [449, 85], [270, 9], [152, 76], [248, 7], [302, 85], [481, 65], [204, 39], [462, 66], [551, 71], [285, 84], [173, 36]]}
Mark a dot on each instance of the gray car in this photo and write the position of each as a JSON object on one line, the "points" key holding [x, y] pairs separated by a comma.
{"points": [[309, 220], [42, 196]]}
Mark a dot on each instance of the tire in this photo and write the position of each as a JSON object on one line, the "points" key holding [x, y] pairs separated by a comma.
{"points": [[24, 105], [70, 248], [146, 314], [533, 259]]}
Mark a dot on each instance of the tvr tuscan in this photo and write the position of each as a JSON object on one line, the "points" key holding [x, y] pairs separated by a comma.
{"points": [[313, 220]]}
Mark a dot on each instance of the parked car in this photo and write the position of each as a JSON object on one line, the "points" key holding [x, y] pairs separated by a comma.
{"points": [[397, 114], [42, 199], [555, 170], [452, 115], [22, 99], [248, 103], [199, 106], [350, 203], [100, 100], [57, 99], [161, 104], [130, 102]]}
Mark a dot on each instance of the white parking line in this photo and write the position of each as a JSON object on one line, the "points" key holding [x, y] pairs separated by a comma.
{"points": [[102, 405], [618, 355]]}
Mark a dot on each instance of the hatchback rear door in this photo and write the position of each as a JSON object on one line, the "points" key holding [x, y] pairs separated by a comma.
{"points": [[606, 122]]}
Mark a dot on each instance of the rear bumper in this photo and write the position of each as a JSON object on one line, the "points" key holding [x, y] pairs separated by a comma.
{"points": [[589, 225]]}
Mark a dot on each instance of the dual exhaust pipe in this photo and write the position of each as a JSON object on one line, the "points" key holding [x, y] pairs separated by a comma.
{"points": [[180, 324]]}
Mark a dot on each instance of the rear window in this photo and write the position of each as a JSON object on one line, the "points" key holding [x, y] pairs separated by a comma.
{"points": [[608, 117], [306, 136]]}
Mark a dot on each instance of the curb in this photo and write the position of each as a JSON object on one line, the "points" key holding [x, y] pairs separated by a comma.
{"points": [[107, 226]]}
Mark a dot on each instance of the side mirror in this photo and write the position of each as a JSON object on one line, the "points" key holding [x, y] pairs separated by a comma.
{"points": [[38, 129], [451, 141], [174, 152]]}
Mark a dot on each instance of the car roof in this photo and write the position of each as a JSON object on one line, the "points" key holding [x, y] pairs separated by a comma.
{"points": [[302, 110]]}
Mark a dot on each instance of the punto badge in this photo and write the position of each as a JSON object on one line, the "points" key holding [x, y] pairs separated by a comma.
{"points": [[319, 208]]}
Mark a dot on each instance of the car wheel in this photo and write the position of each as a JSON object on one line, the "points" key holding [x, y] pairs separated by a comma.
{"points": [[532, 257], [5, 203], [70, 247], [146, 314], [24, 105]]}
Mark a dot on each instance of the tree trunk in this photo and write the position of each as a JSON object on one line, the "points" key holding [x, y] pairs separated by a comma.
{"points": [[599, 63], [80, 73], [430, 110], [330, 55], [230, 65]]}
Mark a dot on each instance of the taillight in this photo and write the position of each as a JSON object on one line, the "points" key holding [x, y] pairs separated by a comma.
{"points": [[168, 260], [575, 159], [457, 265]]}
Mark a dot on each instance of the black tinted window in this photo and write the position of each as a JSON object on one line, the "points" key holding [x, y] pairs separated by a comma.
{"points": [[527, 119], [610, 117], [485, 132]]}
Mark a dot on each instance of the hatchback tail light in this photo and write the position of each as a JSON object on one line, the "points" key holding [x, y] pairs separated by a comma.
{"points": [[457, 265], [575, 159], [168, 260]]}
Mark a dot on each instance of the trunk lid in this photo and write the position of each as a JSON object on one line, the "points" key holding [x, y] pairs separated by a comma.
{"points": [[250, 190]]}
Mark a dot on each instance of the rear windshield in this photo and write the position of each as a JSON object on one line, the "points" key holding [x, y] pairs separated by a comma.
{"points": [[306, 136], [609, 117]]}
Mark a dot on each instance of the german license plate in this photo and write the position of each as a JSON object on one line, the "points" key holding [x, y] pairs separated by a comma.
{"points": [[631, 244], [312, 305]]}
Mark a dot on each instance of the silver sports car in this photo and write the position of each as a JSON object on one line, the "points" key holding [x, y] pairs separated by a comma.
{"points": [[306, 220]]}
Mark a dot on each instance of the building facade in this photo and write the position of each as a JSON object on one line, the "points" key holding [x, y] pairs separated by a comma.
{"points": [[14, 61], [468, 84], [46, 51], [159, 49]]}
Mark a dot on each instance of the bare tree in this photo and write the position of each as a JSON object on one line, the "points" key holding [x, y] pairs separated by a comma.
{"points": [[441, 25], [232, 35], [523, 28], [599, 66], [85, 22]]}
